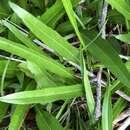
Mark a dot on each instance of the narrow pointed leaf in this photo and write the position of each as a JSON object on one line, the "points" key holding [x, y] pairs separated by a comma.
{"points": [[20, 113], [11, 70], [46, 121], [66, 27], [71, 14], [22, 37], [46, 95], [40, 75], [118, 107], [50, 18], [121, 6], [88, 93], [123, 37], [3, 110], [102, 50], [46, 34], [29, 54], [107, 111]]}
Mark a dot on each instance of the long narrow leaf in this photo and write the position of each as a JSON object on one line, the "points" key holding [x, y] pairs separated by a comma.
{"points": [[20, 112], [71, 14], [102, 50], [121, 6], [45, 95], [29, 54], [46, 34], [88, 93], [107, 111], [22, 37], [50, 18], [46, 121]]}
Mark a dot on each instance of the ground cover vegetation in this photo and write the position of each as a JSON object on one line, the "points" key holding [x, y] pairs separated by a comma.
{"points": [[64, 64]]}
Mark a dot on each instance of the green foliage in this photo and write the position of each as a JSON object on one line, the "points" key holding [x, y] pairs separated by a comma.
{"points": [[51, 52]]}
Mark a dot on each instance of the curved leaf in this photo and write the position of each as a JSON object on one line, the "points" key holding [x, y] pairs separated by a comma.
{"points": [[29, 54], [47, 35]]}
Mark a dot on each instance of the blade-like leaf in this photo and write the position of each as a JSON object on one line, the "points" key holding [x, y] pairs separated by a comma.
{"points": [[29, 54], [50, 18], [20, 112], [124, 37], [3, 110], [121, 6], [102, 50], [11, 70], [46, 34], [67, 27], [40, 75], [19, 34], [118, 107], [88, 93], [107, 111], [46, 121], [45, 95], [71, 14]]}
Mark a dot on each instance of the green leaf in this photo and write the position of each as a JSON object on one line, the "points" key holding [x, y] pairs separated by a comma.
{"points": [[121, 6], [88, 93], [46, 121], [46, 95], [66, 27], [50, 18], [3, 110], [11, 70], [47, 35], [123, 37], [31, 55], [20, 113], [102, 50], [40, 75], [118, 107], [71, 14], [107, 111], [20, 35]]}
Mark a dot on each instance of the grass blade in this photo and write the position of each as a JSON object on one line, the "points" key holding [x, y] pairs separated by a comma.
{"points": [[46, 95], [46, 121], [47, 35], [123, 37], [3, 110], [50, 18], [71, 14], [108, 56], [66, 27], [88, 93], [41, 60], [11, 70], [22, 37], [118, 107], [20, 113], [121, 6], [107, 111]]}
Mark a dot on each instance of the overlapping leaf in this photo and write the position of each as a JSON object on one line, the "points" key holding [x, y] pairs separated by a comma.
{"points": [[29, 54], [47, 121], [46, 34], [102, 50]]}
